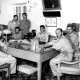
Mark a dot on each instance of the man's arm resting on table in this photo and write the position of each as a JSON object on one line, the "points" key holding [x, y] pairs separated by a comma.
{"points": [[3, 46], [50, 44]]}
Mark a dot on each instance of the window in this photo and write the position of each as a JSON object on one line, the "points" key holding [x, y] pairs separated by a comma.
{"points": [[24, 9], [0, 9], [19, 9], [51, 4]]}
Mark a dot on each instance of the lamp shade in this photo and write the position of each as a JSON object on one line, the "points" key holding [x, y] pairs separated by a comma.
{"points": [[6, 31]]}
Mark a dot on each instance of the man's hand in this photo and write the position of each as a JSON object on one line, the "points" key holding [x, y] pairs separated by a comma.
{"points": [[5, 48]]}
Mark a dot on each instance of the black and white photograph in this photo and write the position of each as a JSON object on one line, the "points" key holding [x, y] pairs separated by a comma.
{"points": [[39, 40]]}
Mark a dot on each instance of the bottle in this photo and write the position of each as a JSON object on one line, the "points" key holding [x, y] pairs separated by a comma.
{"points": [[33, 46], [37, 46]]}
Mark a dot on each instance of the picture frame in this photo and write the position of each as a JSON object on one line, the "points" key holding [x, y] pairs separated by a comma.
{"points": [[51, 21], [50, 5]]}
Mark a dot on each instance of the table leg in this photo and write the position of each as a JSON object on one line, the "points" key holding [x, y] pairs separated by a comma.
{"points": [[9, 71], [39, 70]]}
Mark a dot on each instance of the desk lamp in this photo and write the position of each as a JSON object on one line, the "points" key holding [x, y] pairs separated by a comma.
{"points": [[6, 32]]}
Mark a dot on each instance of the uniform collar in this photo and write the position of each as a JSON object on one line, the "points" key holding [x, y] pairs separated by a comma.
{"points": [[61, 37], [25, 19], [14, 21], [72, 34], [43, 32]]}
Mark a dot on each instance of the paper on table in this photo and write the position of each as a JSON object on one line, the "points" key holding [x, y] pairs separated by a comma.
{"points": [[25, 41], [12, 40]]}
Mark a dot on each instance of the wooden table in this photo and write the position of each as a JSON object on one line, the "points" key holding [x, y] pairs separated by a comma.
{"points": [[33, 56]]}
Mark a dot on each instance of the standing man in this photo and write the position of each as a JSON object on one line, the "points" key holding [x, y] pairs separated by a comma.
{"points": [[25, 25], [73, 38], [66, 52], [14, 23]]}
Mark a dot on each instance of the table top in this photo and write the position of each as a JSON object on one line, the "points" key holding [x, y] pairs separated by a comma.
{"points": [[32, 56], [25, 45], [23, 51]]}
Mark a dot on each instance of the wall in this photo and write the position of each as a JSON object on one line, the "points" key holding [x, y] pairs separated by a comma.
{"points": [[69, 14], [36, 15], [7, 10]]}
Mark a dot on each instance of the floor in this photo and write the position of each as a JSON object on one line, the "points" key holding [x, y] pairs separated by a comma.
{"points": [[46, 73], [33, 77]]}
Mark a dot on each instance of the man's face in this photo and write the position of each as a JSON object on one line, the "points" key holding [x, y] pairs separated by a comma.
{"points": [[69, 30], [15, 18], [24, 16], [16, 31], [58, 34], [42, 29]]}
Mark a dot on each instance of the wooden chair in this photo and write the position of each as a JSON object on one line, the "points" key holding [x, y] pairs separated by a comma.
{"points": [[72, 68], [6, 65]]}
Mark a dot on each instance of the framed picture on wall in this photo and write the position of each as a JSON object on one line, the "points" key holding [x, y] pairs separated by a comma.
{"points": [[51, 5], [51, 21]]}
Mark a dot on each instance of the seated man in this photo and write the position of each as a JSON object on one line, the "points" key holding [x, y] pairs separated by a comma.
{"points": [[13, 23], [72, 37], [17, 34], [63, 45], [5, 58], [42, 36]]}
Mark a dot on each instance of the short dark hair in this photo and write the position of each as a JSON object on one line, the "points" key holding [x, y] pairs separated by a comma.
{"points": [[17, 28], [24, 14], [69, 25], [15, 16], [59, 29], [42, 26]]}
